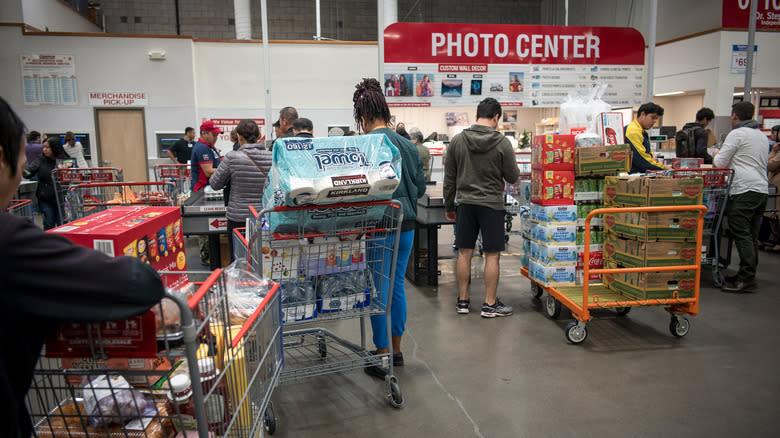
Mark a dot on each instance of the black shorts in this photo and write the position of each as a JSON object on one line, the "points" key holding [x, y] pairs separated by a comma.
{"points": [[471, 219]]}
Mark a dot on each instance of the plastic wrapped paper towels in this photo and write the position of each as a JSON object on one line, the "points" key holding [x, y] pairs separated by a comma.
{"points": [[326, 171]]}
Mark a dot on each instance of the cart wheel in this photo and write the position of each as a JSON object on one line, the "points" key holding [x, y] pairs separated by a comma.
{"points": [[506, 238], [269, 420], [508, 223], [536, 291], [622, 311], [576, 332], [553, 307], [717, 278], [394, 395], [322, 348], [679, 326]]}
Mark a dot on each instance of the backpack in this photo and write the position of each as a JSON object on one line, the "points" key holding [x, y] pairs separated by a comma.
{"points": [[686, 143]]}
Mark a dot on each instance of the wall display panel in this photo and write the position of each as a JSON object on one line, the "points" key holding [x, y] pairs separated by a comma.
{"points": [[49, 79], [441, 64]]}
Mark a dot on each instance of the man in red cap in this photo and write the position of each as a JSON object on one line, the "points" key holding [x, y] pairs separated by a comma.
{"points": [[203, 163], [205, 157]]}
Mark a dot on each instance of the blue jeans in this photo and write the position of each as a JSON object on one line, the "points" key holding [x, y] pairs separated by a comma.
{"points": [[382, 252], [51, 214]]}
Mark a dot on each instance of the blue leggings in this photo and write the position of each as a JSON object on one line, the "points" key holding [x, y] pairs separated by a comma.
{"points": [[384, 253]]}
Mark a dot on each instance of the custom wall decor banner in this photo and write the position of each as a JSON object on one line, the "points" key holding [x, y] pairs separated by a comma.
{"points": [[449, 64]]}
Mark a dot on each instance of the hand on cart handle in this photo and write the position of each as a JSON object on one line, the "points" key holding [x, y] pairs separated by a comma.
{"points": [[450, 215]]}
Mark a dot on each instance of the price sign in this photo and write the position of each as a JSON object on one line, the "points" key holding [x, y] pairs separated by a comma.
{"points": [[739, 58]]}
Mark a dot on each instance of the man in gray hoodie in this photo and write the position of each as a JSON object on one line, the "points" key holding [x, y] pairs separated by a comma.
{"points": [[479, 160], [744, 150]]}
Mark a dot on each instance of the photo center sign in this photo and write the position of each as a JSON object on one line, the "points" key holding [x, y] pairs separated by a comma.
{"points": [[448, 64]]}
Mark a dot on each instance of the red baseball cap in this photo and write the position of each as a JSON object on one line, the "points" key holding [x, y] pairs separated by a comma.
{"points": [[208, 125]]}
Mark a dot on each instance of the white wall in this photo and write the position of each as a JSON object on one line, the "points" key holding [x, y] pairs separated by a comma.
{"points": [[679, 110], [11, 12], [54, 16], [433, 119]]}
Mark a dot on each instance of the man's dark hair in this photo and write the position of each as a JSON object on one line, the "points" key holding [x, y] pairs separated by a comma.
{"points": [[776, 128], [402, 132], [743, 110], [188, 129], [369, 103], [704, 114], [650, 108], [11, 134], [488, 108], [248, 129], [288, 113], [33, 136], [303, 124]]}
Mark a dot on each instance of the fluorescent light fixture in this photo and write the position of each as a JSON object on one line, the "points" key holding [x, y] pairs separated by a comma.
{"points": [[670, 93], [739, 93]]}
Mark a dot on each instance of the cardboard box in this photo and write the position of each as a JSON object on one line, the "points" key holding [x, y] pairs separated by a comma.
{"points": [[161, 365], [643, 191], [553, 275], [610, 128], [687, 163], [671, 227], [638, 254], [552, 187], [652, 285], [552, 152], [554, 213], [554, 255], [554, 233], [599, 160]]}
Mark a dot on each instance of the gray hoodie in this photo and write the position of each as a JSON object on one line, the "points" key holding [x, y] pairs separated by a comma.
{"points": [[479, 160]]}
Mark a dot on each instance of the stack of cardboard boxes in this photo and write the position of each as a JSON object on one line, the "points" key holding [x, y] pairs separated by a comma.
{"points": [[651, 239], [552, 228]]}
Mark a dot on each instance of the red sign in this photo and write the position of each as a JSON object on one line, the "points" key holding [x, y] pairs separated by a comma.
{"points": [[736, 13], [456, 43]]}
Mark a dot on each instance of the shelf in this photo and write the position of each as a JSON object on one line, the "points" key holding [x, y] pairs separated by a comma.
{"points": [[588, 196]]}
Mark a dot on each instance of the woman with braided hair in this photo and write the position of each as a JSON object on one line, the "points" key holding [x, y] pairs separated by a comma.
{"points": [[245, 170], [372, 116]]}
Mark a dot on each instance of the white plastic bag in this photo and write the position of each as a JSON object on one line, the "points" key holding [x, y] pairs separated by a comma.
{"points": [[581, 110], [245, 291]]}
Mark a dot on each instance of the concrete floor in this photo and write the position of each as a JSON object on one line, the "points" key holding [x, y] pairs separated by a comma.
{"points": [[466, 376]]}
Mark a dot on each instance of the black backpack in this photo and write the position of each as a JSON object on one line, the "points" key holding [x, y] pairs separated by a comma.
{"points": [[686, 143]]}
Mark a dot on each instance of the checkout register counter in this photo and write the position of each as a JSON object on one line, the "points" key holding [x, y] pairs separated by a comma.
{"points": [[201, 216], [423, 266]]}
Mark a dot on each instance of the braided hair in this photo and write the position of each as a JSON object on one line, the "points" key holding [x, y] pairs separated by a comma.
{"points": [[370, 103], [248, 129]]}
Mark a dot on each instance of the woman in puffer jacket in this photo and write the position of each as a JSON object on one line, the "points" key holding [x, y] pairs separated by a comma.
{"points": [[246, 170]]}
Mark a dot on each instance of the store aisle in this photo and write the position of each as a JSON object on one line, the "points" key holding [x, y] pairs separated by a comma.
{"points": [[517, 376]]}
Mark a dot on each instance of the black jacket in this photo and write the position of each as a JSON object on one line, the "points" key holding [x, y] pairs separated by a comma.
{"points": [[43, 167], [700, 135], [45, 281]]}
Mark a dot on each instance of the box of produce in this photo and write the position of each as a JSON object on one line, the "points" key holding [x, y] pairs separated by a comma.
{"points": [[672, 226], [653, 191], [652, 285], [603, 160], [553, 152], [638, 254]]}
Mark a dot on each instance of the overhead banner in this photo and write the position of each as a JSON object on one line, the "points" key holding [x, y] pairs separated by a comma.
{"points": [[447, 64], [736, 13]]}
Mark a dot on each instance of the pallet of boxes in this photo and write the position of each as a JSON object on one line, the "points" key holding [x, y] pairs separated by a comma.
{"points": [[634, 240]]}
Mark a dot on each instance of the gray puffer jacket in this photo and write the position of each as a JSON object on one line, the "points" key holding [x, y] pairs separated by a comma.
{"points": [[246, 180]]}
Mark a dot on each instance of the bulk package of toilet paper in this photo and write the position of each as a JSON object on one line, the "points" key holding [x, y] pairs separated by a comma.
{"points": [[329, 170]]}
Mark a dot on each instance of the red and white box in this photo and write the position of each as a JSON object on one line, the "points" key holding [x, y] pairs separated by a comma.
{"points": [[553, 152], [610, 128], [596, 262], [552, 187], [687, 163]]}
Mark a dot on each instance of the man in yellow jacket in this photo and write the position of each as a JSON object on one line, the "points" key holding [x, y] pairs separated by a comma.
{"points": [[636, 135]]}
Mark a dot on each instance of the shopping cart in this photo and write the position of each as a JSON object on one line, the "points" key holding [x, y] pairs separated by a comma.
{"points": [[581, 299], [344, 272], [115, 378], [84, 199], [715, 196], [65, 178], [241, 249], [21, 208], [179, 174]]}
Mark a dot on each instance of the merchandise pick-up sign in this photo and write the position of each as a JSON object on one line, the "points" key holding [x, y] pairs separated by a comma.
{"points": [[117, 98]]}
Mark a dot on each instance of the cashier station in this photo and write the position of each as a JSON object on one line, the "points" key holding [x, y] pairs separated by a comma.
{"points": [[197, 213], [423, 266]]}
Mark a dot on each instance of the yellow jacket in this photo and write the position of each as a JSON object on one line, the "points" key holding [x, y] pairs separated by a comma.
{"points": [[642, 160]]}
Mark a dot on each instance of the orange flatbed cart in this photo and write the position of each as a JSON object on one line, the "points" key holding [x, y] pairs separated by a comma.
{"points": [[581, 299]]}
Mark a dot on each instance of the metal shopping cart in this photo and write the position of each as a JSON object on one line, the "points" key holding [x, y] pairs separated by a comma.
{"points": [[115, 378], [340, 267], [715, 196], [65, 178], [88, 198], [581, 299], [21, 208], [179, 174]]}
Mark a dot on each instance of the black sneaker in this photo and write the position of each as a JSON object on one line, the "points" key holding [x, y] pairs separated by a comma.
{"points": [[376, 371], [497, 309], [463, 306]]}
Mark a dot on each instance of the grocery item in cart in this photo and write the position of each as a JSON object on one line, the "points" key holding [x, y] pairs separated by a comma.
{"points": [[65, 421], [331, 254], [633, 253], [245, 291], [110, 399], [332, 169], [669, 226], [651, 285]]}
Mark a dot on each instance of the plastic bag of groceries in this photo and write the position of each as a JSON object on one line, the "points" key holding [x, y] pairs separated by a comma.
{"points": [[245, 291], [330, 170], [110, 399], [580, 110]]}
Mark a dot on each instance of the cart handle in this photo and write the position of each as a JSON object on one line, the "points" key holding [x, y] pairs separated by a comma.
{"points": [[203, 289], [125, 184], [16, 203], [252, 318], [336, 205]]}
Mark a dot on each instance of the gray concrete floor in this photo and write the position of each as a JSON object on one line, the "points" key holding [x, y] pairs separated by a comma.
{"points": [[466, 376]]}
